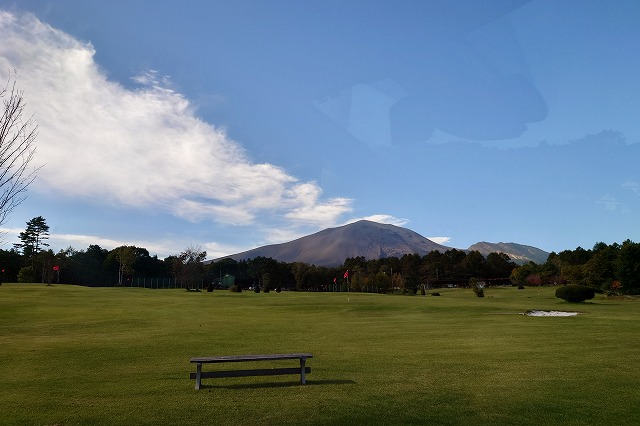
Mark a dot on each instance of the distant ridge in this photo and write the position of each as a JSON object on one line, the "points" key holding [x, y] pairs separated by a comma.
{"points": [[373, 240], [332, 246], [519, 253]]}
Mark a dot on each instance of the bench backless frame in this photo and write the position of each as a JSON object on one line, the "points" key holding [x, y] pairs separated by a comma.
{"points": [[199, 374]]}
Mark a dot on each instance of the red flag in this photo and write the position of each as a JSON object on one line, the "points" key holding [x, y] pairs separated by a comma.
{"points": [[346, 274], [56, 268]]}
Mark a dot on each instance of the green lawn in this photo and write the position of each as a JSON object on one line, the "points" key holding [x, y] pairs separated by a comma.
{"points": [[113, 356]]}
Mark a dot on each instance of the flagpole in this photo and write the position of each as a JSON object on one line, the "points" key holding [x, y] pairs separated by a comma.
{"points": [[348, 289]]}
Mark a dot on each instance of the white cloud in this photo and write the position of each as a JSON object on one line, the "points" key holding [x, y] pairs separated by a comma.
{"points": [[309, 209], [162, 248], [382, 218], [217, 250], [439, 240], [141, 148], [609, 202], [80, 242], [57, 242]]}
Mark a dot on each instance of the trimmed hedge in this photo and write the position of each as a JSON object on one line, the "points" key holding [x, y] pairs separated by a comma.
{"points": [[575, 293]]}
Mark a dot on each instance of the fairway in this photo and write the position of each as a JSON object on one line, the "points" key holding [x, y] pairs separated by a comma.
{"points": [[113, 356]]}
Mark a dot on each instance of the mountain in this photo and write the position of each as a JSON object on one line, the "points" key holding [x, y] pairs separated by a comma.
{"points": [[373, 240], [332, 246], [519, 253]]}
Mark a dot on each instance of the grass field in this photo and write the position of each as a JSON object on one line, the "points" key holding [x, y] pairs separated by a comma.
{"points": [[114, 356]]}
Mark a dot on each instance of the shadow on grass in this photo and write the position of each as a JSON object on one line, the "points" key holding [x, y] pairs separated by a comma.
{"points": [[278, 384]]}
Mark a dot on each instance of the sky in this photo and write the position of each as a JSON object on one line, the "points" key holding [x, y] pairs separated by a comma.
{"points": [[232, 124]]}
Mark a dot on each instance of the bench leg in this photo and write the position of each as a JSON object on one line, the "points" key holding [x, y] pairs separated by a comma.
{"points": [[198, 374], [303, 379]]}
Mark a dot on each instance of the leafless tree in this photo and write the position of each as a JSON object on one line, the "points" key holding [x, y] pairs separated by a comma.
{"points": [[17, 149]]}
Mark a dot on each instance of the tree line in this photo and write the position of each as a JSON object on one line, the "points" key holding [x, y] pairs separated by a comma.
{"points": [[31, 261], [614, 268]]}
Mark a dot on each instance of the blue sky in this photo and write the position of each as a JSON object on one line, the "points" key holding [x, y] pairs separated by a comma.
{"points": [[235, 124]]}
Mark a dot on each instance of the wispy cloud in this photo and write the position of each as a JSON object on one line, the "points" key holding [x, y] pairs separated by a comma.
{"points": [[162, 247], [382, 218], [632, 186], [145, 147], [440, 240], [609, 202], [80, 242]]}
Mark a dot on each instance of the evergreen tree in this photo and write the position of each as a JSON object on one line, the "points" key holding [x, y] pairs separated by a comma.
{"points": [[34, 237]]}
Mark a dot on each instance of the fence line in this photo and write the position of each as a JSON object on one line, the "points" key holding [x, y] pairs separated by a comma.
{"points": [[158, 283], [153, 283]]}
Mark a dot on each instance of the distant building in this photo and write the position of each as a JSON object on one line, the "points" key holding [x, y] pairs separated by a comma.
{"points": [[226, 281]]}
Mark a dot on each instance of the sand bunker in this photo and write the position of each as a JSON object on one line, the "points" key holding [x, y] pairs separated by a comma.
{"points": [[549, 314]]}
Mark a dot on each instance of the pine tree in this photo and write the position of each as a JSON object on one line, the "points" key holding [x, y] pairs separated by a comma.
{"points": [[34, 237]]}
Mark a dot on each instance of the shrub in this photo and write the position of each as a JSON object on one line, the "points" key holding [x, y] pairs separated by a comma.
{"points": [[615, 287], [256, 289], [478, 289], [26, 275], [422, 291], [236, 288], [435, 294], [575, 293], [278, 289], [210, 288], [520, 287]]}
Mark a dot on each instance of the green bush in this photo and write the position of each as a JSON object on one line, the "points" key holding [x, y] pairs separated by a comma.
{"points": [[478, 289], [520, 287], [575, 293], [26, 275], [256, 289], [236, 288]]}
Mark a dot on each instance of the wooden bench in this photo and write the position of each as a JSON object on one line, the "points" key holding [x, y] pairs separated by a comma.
{"points": [[199, 374]]}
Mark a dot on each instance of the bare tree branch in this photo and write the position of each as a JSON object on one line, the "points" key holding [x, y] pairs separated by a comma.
{"points": [[17, 149]]}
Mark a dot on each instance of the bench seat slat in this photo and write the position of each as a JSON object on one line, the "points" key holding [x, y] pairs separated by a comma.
{"points": [[241, 358], [246, 373]]}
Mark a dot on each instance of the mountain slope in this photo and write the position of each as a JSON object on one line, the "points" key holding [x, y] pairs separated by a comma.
{"points": [[519, 253], [332, 246]]}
